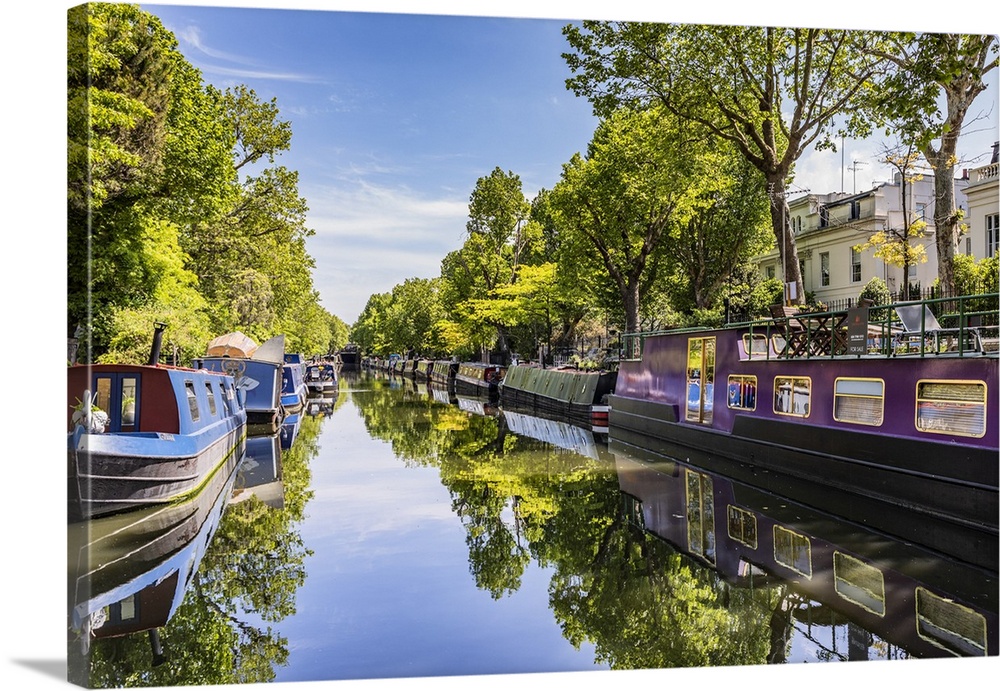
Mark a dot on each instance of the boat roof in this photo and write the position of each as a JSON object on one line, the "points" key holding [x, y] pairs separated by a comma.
{"points": [[235, 344]]}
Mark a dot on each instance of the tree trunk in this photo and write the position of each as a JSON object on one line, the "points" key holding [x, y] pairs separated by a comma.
{"points": [[781, 225], [630, 301], [945, 218]]}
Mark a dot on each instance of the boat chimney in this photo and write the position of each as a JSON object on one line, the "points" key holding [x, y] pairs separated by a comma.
{"points": [[154, 353]]}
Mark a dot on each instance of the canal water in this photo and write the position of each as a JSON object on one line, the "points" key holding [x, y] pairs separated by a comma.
{"points": [[400, 531]]}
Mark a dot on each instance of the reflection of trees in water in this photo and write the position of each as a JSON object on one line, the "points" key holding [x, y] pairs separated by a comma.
{"points": [[251, 571], [639, 601]]}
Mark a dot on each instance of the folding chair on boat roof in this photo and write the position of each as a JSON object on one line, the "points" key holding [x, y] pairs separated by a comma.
{"points": [[919, 323]]}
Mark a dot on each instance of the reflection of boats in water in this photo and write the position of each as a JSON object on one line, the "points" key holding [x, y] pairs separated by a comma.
{"points": [[561, 434], [289, 430], [442, 393], [319, 405], [147, 434], [912, 597], [260, 473], [477, 406], [129, 572]]}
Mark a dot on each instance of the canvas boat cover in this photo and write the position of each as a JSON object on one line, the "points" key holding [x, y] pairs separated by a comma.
{"points": [[234, 344]]}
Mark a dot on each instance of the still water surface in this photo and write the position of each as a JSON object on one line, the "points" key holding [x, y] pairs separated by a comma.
{"points": [[404, 532]]}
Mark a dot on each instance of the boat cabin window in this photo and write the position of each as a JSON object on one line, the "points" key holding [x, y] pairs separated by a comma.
{"points": [[742, 526], [952, 407], [210, 392], [793, 551], [858, 582], [700, 379], [949, 625], [700, 515], [227, 404], [117, 395], [792, 396], [192, 399], [742, 391], [861, 401], [755, 345]]}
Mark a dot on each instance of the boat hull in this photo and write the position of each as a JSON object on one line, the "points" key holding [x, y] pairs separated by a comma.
{"points": [[575, 396], [114, 473]]}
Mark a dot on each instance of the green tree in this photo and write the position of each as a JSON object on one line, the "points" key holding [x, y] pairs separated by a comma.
{"points": [[895, 245], [927, 97], [123, 71], [619, 201], [770, 91]]}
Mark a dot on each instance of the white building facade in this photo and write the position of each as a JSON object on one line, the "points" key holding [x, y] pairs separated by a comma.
{"points": [[828, 227], [983, 210]]}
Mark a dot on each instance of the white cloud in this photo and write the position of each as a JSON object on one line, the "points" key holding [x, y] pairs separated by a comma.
{"points": [[369, 239]]}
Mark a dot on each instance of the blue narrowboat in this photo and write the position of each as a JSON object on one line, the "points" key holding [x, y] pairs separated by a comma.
{"points": [[147, 434], [846, 399], [258, 372], [293, 384]]}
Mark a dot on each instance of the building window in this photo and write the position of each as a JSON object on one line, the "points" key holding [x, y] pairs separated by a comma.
{"points": [[824, 268], [855, 265], [860, 401], [770, 271], [992, 234]]}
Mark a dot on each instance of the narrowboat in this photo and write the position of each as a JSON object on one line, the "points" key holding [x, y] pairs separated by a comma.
{"points": [[129, 572], [851, 406], [422, 369], [576, 396], [321, 379], [147, 434], [443, 372], [830, 570], [478, 379], [257, 370], [293, 384]]}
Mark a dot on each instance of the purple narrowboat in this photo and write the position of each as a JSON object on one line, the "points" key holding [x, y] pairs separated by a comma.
{"points": [[887, 416]]}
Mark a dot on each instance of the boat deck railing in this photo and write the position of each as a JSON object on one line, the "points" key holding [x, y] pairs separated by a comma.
{"points": [[962, 326]]}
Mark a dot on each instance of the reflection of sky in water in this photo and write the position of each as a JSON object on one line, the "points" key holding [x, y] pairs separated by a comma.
{"points": [[389, 592]]}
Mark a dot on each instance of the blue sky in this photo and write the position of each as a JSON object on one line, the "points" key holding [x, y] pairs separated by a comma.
{"points": [[395, 117]]}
